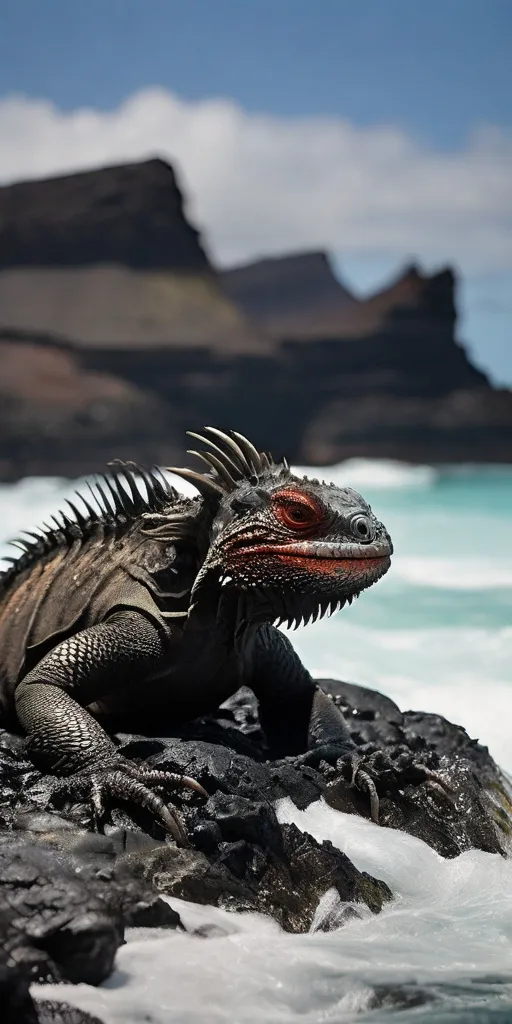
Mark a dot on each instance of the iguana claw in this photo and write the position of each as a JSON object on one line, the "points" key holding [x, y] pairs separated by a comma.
{"points": [[362, 780], [374, 770], [128, 783], [369, 770]]}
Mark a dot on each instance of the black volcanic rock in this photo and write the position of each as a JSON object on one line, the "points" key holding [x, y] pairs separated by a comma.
{"points": [[17, 1004], [62, 917], [67, 893]]}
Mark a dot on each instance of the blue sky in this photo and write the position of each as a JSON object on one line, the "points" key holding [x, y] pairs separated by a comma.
{"points": [[434, 73]]}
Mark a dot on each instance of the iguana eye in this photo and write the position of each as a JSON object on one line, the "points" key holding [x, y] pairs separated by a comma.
{"points": [[362, 527], [297, 512], [298, 515]]}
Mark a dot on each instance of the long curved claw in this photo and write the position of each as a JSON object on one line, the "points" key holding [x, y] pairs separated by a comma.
{"points": [[193, 784], [437, 780], [119, 784], [168, 779], [128, 783], [363, 781]]}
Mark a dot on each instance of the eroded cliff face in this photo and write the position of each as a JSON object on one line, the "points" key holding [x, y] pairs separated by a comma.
{"points": [[117, 335], [60, 419], [379, 378], [131, 215]]}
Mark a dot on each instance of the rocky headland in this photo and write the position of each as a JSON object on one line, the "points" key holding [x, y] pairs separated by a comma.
{"points": [[117, 334]]}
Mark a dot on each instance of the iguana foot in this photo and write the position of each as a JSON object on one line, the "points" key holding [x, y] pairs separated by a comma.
{"points": [[377, 771], [382, 772], [125, 782]]}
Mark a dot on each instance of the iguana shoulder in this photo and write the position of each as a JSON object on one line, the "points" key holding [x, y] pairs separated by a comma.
{"points": [[115, 554]]}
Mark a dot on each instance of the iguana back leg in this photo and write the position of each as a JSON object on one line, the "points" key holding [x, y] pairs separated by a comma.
{"points": [[65, 738]]}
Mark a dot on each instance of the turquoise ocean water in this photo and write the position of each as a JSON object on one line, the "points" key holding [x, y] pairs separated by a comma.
{"points": [[434, 634]]}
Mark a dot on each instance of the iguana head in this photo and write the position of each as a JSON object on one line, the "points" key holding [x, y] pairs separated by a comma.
{"points": [[300, 547]]}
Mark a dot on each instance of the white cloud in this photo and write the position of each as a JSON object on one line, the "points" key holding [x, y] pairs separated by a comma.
{"points": [[259, 184]]}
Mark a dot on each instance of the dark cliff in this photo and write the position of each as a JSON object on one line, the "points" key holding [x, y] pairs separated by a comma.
{"points": [[117, 334], [379, 377], [290, 294], [132, 215]]}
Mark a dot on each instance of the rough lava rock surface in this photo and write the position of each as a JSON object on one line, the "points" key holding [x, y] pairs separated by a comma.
{"points": [[67, 894], [17, 1004]]}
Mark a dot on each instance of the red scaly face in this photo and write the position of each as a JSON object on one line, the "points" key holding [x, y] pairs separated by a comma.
{"points": [[305, 539], [297, 547]]}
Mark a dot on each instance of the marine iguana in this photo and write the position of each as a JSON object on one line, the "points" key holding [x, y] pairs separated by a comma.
{"points": [[164, 605]]}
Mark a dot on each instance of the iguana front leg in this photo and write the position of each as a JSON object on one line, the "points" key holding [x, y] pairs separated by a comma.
{"points": [[64, 737], [297, 716]]}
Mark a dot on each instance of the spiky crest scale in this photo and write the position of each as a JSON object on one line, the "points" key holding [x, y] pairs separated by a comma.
{"points": [[117, 501], [118, 507], [238, 460]]}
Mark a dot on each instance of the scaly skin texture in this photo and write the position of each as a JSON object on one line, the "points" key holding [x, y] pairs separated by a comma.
{"points": [[162, 606]]}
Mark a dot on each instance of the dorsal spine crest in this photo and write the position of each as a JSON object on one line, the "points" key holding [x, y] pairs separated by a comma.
{"points": [[120, 503]]}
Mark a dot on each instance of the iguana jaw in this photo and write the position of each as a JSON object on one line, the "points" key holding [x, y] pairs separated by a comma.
{"points": [[306, 567]]}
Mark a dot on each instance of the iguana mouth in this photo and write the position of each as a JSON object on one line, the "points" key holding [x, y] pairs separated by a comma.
{"points": [[367, 568], [332, 550], [375, 551], [349, 565]]}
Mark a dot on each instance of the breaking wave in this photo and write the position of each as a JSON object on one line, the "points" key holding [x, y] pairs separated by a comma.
{"points": [[459, 573], [441, 951], [360, 473]]}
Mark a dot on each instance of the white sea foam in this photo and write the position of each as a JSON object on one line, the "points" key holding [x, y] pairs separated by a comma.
{"points": [[460, 573], [360, 473]]}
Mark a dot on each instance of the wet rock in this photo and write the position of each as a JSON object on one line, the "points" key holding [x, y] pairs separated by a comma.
{"points": [[15, 999], [286, 883], [61, 928], [51, 1012], [62, 918], [18, 1006], [479, 815], [241, 819], [42, 822], [186, 874], [72, 892], [293, 885]]}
